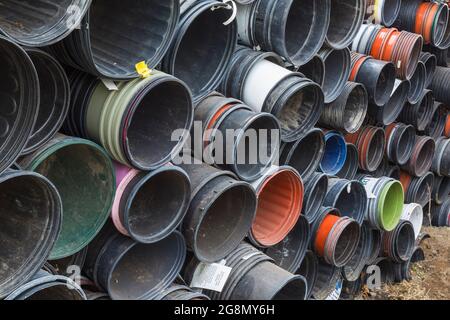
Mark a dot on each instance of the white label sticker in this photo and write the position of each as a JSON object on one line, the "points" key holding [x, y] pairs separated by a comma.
{"points": [[336, 294], [110, 85], [212, 276]]}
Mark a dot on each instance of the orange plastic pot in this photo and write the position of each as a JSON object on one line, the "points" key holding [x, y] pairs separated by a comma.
{"points": [[280, 201], [356, 65], [388, 49], [335, 238], [447, 127], [405, 180], [384, 43], [378, 42], [324, 230], [215, 118], [425, 18], [370, 142], [406, 53]]}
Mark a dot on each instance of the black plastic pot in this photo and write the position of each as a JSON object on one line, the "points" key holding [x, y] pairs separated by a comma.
{"points": [[393, 172], [441, 189], [421, 159], [403, 271], [437, 125], [221, 212], [113, 38], [54, 99], [399, 244], [349, 197], [309, 270], [420, 190], [375, 239], [314, 70], [346, 18], [266, 281], [19, 98], [290, 253], [181, 293], [377, 76], [305, 154], [255, 277], [351, 165], [82, 87], [430, 62], [31, 215], [440, 85], [44, 286], [389, 11], [440, 214], [128, 270], [441, 161], [421, 113], [39, 23], [418, 83], [400, 140], [440, 53], [295, 30], [352, 271], [316, 188], [348, 112], [327, 278], [337, 71], [390, 111], [254, 146], [203, 46], [380, 172]]}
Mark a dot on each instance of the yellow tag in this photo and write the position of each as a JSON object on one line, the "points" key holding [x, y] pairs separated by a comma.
{"points": [[143, 70]]}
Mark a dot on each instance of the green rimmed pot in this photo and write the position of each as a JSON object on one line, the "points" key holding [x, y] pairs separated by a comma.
{"points": [[155, 113], [84, 176], [386, 199], [390, 205]]}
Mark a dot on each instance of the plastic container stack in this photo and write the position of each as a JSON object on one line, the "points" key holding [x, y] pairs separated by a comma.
{"points": [[116, 158]]}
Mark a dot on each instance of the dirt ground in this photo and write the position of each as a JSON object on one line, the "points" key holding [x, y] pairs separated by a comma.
{"points": [[431, 278]]}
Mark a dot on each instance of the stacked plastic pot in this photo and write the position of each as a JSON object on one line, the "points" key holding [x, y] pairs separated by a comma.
{"points": [[224, 150]]}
